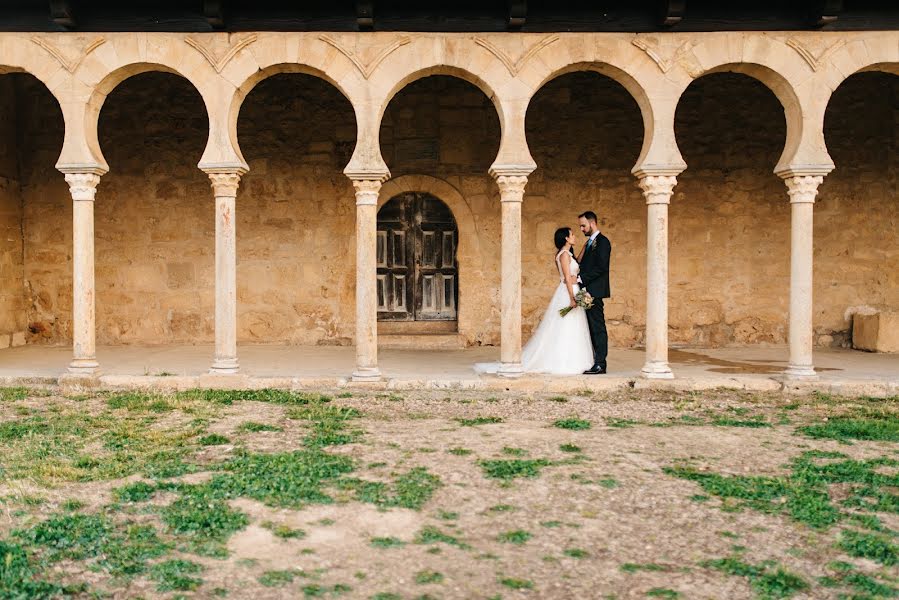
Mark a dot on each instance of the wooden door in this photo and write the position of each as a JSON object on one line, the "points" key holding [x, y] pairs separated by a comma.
{"points": [[417, 272]]}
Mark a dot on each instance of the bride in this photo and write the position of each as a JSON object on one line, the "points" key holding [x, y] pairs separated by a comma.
{"points": [[560, 345]]}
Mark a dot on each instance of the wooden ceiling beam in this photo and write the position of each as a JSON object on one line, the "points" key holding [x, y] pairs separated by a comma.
{"points": [[826, 12], [214, 11], [365, 14], [518, 12], [61, 13], [673, 11]]}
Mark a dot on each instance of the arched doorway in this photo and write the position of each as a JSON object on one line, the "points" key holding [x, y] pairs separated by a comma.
{"points": [[416, 252]]}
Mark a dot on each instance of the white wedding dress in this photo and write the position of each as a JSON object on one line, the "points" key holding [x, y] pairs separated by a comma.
{"points": [[560, 345]]}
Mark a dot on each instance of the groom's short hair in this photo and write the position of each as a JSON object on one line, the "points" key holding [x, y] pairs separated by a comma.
{"points": [[589, 215]]}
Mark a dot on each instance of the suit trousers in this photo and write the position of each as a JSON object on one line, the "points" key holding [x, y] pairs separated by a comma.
{"points": [[596, 322]]}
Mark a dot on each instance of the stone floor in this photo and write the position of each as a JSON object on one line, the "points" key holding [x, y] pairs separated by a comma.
{"points": [[757, 368]]}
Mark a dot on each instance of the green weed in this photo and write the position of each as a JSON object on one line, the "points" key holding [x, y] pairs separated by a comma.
{"points": [[803, 494], [18, 578], [425, 577], [138, 491], [517, 536], [871, 546], [283, 531], [479, 421], [431, 535], [634, 567], [13, 394], [387, 542], [277, 578], [410, 490], [289, 480], [203, 518], [658, 592], [572, 424], [517, 584], [460, 451], [176, 574], [514, 451], [510, 469], [213, 439], [621, 423], [123, 551], [254, 427], [873, 426], [767, 579]]}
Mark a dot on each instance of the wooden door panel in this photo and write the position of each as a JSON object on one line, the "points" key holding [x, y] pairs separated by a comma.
{"points": [[417, 273]]}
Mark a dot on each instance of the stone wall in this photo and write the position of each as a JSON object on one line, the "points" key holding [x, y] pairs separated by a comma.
{"points": [[857, 213], [12, 299], [729, 216], [296, 214]]}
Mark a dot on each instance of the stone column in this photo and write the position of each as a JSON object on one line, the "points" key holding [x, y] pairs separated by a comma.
{"points": [[366, 280], [511, 190], [83, 187], [224, 187], [802, 190], [657, 190]]}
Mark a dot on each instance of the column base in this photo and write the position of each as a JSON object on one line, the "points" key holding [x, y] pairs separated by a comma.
{"points": [[367, 374], [84, 366], [801, 372], [510, 370], [224, 366], [657, 370]]}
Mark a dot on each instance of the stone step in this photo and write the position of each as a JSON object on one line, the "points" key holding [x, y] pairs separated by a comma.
{"points": [[420, 341]]}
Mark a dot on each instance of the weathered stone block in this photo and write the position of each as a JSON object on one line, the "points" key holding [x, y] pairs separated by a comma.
{"points": [[878, 332]]}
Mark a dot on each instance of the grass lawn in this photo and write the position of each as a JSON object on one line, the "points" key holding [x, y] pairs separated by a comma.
{"points": [[275, 494]]}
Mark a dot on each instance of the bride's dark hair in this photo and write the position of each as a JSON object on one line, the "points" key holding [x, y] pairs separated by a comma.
{"points": [[561, 235]]}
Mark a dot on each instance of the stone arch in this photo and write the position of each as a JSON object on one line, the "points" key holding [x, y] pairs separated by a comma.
{"points": [[105, 87], [891, 68], [22, 55], [248, 84], [782, 89], [451, 71], [468, 250], [452, 197], [627, 81]]}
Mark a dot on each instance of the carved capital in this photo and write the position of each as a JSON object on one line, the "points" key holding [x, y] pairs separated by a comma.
{"points": [[657, 189], [225, 184], [367, 191], [83, 186], [803, 188], [511, 187]]}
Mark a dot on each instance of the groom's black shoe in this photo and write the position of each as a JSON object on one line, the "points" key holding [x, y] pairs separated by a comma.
{"points": [[596, 370]]}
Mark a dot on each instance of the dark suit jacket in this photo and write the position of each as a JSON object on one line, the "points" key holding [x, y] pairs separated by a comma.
{"points": [[595, 267]]}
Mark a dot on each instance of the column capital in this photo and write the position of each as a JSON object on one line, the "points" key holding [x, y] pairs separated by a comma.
{"points": [[367, 191], [83, 186], [224, 182], [657, 189], [511, 187], [367, 174], [803, 188], [511, 170]]}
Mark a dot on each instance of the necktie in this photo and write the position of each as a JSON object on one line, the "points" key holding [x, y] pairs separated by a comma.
{"points": [[589, 243]]}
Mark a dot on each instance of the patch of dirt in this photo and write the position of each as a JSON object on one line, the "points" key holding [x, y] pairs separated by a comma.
{"points": [[585, 514]]}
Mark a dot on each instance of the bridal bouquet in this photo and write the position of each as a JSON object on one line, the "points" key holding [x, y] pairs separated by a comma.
{"points": [[583, 299]]}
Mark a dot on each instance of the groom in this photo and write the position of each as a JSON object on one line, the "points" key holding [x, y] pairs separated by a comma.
{"points": [[595, 277]]}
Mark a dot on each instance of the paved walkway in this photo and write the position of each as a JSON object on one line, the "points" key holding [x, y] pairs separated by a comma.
{"points": [[754, 368]]}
